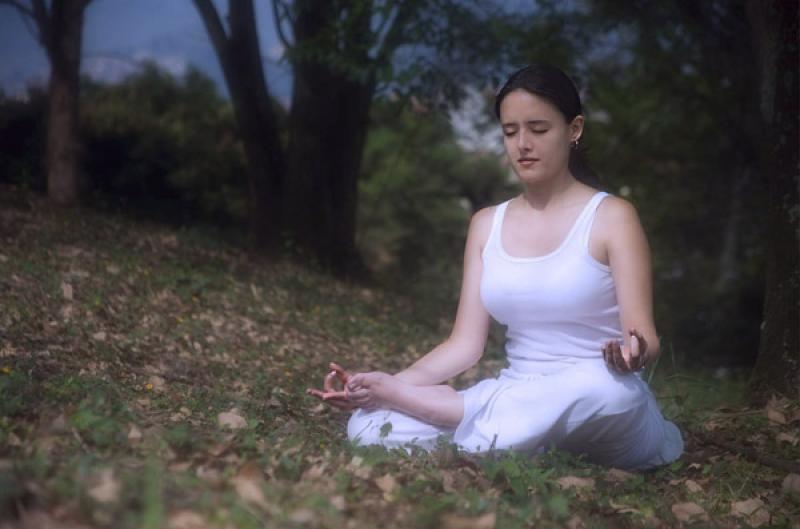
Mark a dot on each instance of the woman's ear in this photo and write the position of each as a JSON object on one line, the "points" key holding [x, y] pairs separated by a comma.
{"points": [[576, 128]]}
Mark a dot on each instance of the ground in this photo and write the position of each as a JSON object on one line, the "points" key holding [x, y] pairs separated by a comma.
{"points": [[154, 377]]}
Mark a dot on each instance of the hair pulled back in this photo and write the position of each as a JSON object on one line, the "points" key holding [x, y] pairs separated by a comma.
{"points": [[554, 85]]}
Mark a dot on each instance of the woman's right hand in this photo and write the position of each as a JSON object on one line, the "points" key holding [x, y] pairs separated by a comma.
{"points": [[626, 359], [329, 394]]}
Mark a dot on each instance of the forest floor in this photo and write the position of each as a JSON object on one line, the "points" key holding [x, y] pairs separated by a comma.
{"points": [[154, 378]]}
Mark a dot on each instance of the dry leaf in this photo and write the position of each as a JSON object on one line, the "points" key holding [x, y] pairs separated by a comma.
{"points": [[231, 419], [157, 383], [575, 523], [686, 512], [247, 484], [302, 516], [134, 434], [776, 416], [66, 291], [788, 438], [693, 486], [791, 484], [106, 488], [618, 475], [752, 510], [387, 484], [338, 503], [568, 482], [99, 336], [623, 509], [455, 521], [186, 520]]}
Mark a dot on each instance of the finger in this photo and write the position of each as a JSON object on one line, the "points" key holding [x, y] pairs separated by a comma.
{"points": [[329, 378], [634, 347], [642, 341], [315, 392], [334, 395], [340, 371], [619, 359]]}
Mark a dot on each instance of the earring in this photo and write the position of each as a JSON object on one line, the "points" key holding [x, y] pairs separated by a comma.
{"points": [[574, 144]]}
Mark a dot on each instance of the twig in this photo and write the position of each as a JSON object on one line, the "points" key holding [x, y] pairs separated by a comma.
{"points": [[749, 453]]}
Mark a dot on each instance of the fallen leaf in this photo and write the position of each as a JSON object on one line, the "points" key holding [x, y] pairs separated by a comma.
{"points": [[693, 486], [455, 521], [248, 482], [186, 520], [788, 438], [302, 516], [157, 383], [617, 475], [387, 484], [569, 482], [623, 509], [231, 419], [752, 510], [106, 487], [689, 511], [776, 416], [575, 523], [134, 434], [791, 484], [99, 336], [338, 503], [66, 291], [112, 269]]}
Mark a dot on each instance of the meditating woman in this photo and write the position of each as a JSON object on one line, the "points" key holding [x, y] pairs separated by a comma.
{"points": [[567, 269]]}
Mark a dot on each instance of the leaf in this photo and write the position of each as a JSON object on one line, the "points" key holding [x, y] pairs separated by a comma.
{"points": [[134, 434], [186, 520], [157, 383], [387, 484], [248, 482], [787, 438], [386, 429], [690, 511], [791, 484], [776, 416], [569, 482], [618, 475], [752, 510], [455, 521], [693, 486], [106, 489], [66, 291], [302, 516], [99, 336], [231, 419]]}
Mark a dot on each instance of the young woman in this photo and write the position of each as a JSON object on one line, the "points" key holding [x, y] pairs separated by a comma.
{"points": [[567, 269]]}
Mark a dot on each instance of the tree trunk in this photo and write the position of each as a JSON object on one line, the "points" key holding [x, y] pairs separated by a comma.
{"points": [[327, 130], [62, 40], [240, 57], [775, 34]]}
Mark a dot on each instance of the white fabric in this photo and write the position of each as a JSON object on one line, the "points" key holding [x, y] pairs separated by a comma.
{"points": [[557, 391]]}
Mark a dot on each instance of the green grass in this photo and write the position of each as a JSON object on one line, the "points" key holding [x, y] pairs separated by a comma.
{"points": [[109, 401]]}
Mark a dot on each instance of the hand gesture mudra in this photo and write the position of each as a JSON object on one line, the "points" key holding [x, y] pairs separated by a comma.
{"points": [[626, 358], [338, 398]]}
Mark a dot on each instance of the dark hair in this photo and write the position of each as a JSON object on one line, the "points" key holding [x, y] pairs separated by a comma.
{"points": [[554, 85]]}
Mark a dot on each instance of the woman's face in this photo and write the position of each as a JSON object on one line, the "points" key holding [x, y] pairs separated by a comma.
{"points": [[536, 136]]}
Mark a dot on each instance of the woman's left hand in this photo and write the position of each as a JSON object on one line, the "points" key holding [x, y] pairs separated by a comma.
{"points": [[624, 358]]}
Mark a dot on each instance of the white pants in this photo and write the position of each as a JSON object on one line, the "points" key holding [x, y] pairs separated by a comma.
{"points": [[585, 409]]}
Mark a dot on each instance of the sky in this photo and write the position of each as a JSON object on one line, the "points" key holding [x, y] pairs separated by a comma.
{"points": [[119, 34]]}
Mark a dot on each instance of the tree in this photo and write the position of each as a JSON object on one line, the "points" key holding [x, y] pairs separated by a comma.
{"points": [[775, 38], [239, 55], [340, 52], [59, 30]]}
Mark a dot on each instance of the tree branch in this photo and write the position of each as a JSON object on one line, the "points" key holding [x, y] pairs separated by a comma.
{"points": [[214, 26], [394, 35], [278, 23], [25, 10]]}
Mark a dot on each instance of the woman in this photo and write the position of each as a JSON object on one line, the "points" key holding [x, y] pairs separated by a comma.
{"points": [[567, 269]]}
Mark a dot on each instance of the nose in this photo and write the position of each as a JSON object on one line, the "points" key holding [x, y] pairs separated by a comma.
{"points": [[523, 141]]}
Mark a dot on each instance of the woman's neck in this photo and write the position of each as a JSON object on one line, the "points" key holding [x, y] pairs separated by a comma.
{"points": [[553, 193]]}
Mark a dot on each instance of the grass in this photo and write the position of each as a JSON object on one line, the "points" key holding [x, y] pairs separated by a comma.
{"points": [[122, 342]]}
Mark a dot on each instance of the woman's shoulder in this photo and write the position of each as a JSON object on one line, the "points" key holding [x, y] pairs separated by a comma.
{"points": [[614, 209]]}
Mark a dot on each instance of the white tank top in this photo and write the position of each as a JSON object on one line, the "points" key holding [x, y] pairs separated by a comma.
{"points": [[559, 308]]}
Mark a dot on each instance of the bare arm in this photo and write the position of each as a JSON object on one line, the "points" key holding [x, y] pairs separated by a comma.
{"points": [[631, 267], [465, 345]]}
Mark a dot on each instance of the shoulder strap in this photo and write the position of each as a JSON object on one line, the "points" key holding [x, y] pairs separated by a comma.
{"points": [[497, 222], [589, 215]]}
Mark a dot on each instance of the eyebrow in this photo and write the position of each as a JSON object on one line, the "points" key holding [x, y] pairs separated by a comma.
{"points": [[531, 122]]}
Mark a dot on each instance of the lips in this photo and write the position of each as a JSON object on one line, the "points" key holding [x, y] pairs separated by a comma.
{"points": [[527, 162]]}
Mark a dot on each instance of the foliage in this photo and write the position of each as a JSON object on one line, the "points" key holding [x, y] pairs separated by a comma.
{"points": [[417, 193], [130, 341], [156, 137]]}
